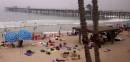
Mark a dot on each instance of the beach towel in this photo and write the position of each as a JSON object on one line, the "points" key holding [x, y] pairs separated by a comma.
{"points": [[29, 53]]}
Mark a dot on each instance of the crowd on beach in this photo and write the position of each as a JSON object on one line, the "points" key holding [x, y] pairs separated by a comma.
{"points": [[53, 42], [110, 35], [50, 43]]}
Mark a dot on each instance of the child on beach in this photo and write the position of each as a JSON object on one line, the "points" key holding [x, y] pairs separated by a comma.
{"points": [[64, 44], [2, 44], [60, 45], [75, 56]]}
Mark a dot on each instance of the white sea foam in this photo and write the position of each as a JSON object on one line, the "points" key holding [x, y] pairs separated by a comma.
{"points": [[52, 25]]}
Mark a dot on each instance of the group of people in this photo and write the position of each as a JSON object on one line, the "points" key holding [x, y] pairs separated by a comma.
{"points": [[66, 49], [6, 44], [11, 44], [52, 45], [109, 36]]}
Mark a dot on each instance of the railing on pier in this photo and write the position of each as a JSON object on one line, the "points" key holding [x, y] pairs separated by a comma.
{"points": [[71, 13]]}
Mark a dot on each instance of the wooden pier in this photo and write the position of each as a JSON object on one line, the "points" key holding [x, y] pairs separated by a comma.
{"points": [[71, 13]]}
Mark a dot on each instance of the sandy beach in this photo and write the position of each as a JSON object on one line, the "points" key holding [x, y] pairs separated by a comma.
{"points": [[120, 51]]}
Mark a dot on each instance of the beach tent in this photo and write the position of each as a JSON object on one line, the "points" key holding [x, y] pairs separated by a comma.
{"points": [[10, 36], [24, 34]]}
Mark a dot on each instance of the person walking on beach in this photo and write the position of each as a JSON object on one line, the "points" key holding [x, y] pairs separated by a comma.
{"points": [[104, 37]]}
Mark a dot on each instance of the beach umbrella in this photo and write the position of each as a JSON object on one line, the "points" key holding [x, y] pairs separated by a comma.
{"points": [[10, 36], [24, 34]]}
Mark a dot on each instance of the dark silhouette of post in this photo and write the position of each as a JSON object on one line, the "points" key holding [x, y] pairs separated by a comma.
{"points": [[83, 30], [95, 18]]}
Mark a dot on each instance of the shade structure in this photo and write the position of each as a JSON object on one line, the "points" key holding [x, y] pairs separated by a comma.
{"points": [[24, 34], [128, 25], [11, 36]]}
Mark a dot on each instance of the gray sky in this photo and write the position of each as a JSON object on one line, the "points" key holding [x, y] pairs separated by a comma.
{"points": [[67, 4]]}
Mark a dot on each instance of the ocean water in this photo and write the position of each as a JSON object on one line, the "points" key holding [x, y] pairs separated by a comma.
{"points": [[17, 16], [12, 22]]}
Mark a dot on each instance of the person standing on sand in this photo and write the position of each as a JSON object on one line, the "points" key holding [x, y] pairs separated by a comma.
{"points": [[103, 35], [59, 31], [128, 29], [20, 43]]}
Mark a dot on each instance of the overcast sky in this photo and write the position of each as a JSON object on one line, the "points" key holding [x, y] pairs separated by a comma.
{"points": [[123, 5]]}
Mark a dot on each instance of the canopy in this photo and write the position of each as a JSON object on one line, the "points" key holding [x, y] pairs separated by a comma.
{"points": [[10, 36], [128, 25], [100, 29], [24, 34]]}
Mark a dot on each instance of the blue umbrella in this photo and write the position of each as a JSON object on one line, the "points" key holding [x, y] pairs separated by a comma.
{"points": [[10, 36], [24, 34]]}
